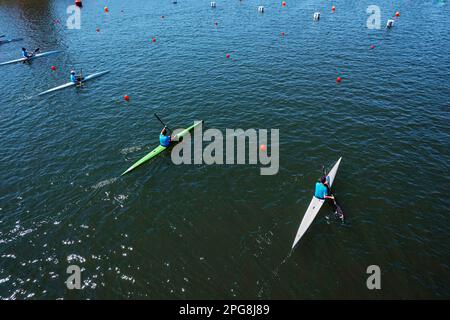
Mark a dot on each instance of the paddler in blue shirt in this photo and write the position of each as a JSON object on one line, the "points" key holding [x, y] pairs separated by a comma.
{"points": [[164, 138], [323, 189], [27, 54], [74, 78], [323, 192]]}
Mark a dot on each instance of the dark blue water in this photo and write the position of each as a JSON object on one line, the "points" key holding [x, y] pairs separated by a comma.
{"points": [[202, 231]]}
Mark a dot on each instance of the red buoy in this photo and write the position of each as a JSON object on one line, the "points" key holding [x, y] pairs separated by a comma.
{"points": [[372, 47], [154, 40], [228, 56], [106, 9], [126, 98], [283, 3], [53, 68], [263, 148], [338, 79], [333, 8], [282, 34], [397, 14]]}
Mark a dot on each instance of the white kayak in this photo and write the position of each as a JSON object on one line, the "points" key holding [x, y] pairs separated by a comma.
{"points": [[314, 207], [38, 55], [72, 84]]}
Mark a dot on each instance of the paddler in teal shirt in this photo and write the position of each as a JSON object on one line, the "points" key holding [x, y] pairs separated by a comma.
{"points": [[165, 138], [27, 54], [323, 189], [75, 78]]}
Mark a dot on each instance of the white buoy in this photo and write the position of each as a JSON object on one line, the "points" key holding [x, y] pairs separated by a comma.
{"points": [[261, 9], [316, 16], [390, 23], [213, 4]]}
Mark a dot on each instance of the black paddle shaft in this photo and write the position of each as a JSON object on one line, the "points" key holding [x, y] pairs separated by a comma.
{"points": [[162, 122]]}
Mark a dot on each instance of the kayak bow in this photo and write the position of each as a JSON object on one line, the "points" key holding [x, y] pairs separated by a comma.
{"points": [[71, 84], [33, 57], [314, 207], [159, 149]]}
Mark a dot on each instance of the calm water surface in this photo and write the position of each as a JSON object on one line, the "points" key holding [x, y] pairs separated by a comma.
{"points": [[201, 231]]}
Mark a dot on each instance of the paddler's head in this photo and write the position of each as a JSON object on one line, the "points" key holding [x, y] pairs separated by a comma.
{"points": [[164, 131], [72, 72], [23, 49], [323, 179]]}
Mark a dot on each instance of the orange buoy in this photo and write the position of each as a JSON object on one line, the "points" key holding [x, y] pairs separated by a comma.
{"points": [[338, 79], [283, 3], [397, 14], [106, 9], [126, 98], [263, 147], [53, 68], [228, 56]]}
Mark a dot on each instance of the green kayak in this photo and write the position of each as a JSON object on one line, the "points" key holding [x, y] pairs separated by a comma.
{"points": [[158, 149]]}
